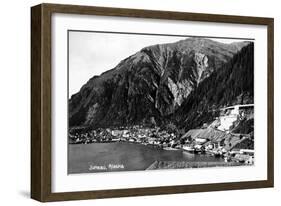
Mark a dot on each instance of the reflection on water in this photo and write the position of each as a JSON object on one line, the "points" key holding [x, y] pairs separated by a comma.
{"points": [[123, 156]]}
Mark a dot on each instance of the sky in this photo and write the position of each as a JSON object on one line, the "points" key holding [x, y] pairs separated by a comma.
{"points": [[92, 53]]}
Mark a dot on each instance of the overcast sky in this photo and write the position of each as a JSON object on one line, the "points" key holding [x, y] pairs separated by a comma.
{"points": [[92, 53]]}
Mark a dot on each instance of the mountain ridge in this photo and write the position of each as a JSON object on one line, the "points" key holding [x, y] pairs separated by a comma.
{"points": [[151, 84]]}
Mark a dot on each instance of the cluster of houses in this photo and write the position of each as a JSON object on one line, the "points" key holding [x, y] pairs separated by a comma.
{"points": [[133, 134], [191, 142], [219, 149], [215, 139]]}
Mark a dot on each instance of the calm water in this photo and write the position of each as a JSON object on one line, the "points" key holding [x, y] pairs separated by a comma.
{"points": [[121, 156]]}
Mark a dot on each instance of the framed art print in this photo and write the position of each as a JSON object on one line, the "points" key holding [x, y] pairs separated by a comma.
{"points": [[130, 102]]}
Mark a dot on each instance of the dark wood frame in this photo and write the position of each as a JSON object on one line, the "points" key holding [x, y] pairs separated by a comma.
{"points": [[41, 101]]}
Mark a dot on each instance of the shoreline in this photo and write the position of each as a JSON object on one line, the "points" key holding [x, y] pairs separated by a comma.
{"points": [[159, 165], [136, 157]]}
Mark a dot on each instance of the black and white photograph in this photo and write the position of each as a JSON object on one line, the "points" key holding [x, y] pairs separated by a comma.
{"points": [[140, 101]]}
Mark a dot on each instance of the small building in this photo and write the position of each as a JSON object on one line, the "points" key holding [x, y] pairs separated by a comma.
{"points": [[200, 140], [116, 133], [132, 140], [250, 152]]}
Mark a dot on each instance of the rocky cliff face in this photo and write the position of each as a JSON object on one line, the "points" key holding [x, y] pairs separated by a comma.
{"points": [[152, 84], [231, 84]]}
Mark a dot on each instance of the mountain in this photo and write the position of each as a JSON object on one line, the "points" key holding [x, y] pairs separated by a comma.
{"points": [[232, 84], [163, 83]]}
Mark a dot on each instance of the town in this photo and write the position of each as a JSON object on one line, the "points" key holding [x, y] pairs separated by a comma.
{"points": [[216, 139]]}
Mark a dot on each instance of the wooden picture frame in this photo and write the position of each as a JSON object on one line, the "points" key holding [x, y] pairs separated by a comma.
{"points": [[41, 171]]}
